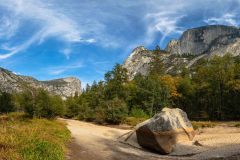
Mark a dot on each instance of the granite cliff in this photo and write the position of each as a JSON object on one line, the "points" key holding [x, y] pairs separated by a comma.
{"points": [[193, 45], [64, 87], [217, 39]]}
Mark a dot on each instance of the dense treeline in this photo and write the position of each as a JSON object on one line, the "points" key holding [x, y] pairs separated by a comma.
{"points": [[35, 102], [210, 90]]}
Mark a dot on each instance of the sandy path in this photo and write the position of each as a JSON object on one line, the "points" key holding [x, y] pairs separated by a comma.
{"points": [[91, 142]]}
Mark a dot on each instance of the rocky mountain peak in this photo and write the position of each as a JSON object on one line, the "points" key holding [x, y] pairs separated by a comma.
{"points": [[64, 87], [138, 61], [193, 45], [204, 39], [139, 49]]}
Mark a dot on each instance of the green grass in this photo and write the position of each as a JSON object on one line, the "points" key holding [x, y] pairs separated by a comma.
{"points": [[133, 121], [22, 138]]}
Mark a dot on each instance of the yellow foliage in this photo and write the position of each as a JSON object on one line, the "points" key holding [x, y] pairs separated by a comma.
{"points": [[235, 84], [171, 83]]}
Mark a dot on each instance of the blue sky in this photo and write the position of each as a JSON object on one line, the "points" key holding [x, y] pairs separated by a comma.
{"points": [[50, 39]]}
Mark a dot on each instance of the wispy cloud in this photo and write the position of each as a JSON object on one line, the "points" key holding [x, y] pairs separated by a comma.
{"points": [[226, 18], [116, 24], [165, 19], [164, 22], [8, 26], [61, 69], [51, 22], [91, 22], [15, 49], [66, 52]]}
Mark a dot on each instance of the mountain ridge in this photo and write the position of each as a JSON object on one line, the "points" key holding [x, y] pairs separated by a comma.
{"points": [[194, 44], [64, 87]]}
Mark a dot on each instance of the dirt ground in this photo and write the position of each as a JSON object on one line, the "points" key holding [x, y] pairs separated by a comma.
{"points": [[95, 142]]}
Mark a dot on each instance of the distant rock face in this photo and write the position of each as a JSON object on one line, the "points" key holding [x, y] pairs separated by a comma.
{"points": [[65, 87], [164, 130], [138, 62], [202, 42], [206, 39]]}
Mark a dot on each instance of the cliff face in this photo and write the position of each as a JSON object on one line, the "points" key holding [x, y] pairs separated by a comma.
{"points": [[206, 40], [138, 62], [65, 87], [194, 44]]}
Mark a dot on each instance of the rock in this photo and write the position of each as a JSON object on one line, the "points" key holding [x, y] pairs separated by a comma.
{"points": [[193, 45], [164, 130], [64, 87], [205, 39], [138, 62]]}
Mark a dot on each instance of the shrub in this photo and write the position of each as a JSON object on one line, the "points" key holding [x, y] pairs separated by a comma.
{"points": [[138, 113], [116, 111], [72, 107], [41, 104], [6, 103], [133, 121]]}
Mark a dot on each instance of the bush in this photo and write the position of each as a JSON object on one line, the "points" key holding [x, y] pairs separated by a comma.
{"points": [[116, 111], [6, 103], [72, 107], [133, 121], [138, 113], [41, 104], [57, 106], [100, 115]]}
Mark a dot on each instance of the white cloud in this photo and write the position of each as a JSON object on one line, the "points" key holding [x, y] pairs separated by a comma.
{"points": [[90, 22], [8, 27], [66, 52], [164, 22], [51, 22], [165, 19], [115, 24], [15, 49], [54, 22], [226, 18], [61, 69]]}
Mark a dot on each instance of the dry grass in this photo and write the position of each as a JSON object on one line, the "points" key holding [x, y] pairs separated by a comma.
{"points": [[203, 124], [237, 125], [211, 124], [32, 139]]}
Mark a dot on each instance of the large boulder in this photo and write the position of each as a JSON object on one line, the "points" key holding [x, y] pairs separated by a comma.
{"points": [[164, 130]]}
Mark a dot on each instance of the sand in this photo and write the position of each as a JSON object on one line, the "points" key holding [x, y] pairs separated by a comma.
{"points": [[95, 142]]}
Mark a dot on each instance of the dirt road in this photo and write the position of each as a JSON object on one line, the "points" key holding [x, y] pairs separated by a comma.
{"points": [[95, 142]]}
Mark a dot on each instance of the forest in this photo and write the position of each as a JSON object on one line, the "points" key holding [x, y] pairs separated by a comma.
{"points": [[210, 90]]}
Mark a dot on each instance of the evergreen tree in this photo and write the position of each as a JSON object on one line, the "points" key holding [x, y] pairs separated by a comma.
{"points": [[6, 103]]}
